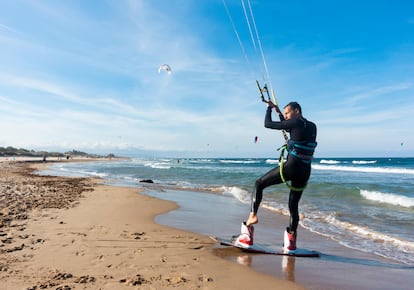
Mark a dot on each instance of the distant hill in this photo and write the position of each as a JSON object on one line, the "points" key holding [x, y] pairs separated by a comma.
{"points": [[11, 151]]}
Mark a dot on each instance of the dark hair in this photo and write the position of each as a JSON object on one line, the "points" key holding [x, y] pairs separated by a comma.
{"points": [[294, 106]]}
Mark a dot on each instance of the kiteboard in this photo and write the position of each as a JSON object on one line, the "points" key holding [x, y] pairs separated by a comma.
{"points": [[262, 249]]}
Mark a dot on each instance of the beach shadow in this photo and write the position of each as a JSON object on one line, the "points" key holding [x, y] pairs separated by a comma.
{"points": [[364, 262]]}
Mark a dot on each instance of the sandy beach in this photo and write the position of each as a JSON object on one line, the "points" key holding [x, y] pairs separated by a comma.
{"points": [[338, 267], [74, 233]]}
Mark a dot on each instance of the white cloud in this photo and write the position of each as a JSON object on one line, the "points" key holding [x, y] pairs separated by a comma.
{"points": [[77, 76]]}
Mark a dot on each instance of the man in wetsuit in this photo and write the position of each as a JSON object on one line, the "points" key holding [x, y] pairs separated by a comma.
{"points": [[296, 169]]}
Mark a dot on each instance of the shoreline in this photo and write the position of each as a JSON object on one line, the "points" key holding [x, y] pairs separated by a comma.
{"points": [[73, 233], [160, 239], [364, 271]]}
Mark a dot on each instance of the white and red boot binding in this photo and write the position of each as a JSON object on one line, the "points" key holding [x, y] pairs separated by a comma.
{"points": [[245, 239], [289, 239]]}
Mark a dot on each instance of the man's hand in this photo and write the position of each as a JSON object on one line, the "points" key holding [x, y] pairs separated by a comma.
{"points": [[271, 105]]}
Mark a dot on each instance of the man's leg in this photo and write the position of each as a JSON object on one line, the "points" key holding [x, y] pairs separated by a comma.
{"points": [[270, 178], [245, 239], [290, 235], [294, 198]]}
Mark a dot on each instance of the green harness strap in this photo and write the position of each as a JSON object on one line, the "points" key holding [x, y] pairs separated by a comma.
{"points": [[281, 161]]}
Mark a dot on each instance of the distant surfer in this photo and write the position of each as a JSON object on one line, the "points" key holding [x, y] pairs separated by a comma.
{"points": [[297, 169]]}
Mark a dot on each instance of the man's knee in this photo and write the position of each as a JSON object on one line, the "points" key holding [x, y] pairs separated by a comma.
{"points": [[259, 184]]}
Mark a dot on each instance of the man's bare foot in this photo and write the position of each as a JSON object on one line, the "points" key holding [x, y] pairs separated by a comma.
{"points": [[252, 219]]}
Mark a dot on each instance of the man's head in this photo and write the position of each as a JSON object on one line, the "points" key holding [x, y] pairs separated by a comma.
{"points": [[292, 111]]}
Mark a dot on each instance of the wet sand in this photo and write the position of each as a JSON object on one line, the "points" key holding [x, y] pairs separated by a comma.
{"points": [[74, 233], [338, 267]]}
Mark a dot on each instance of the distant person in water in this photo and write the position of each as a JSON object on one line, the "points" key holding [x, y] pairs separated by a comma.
{"points": [[297, 169]]}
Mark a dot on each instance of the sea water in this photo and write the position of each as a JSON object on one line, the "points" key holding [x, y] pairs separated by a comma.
{"points": [[362, 203]]}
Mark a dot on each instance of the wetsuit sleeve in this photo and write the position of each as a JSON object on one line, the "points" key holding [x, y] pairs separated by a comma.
{"points": [[282, 125]]}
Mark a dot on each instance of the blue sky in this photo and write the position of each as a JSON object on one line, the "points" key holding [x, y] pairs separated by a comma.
{"points": [[84, 75]]}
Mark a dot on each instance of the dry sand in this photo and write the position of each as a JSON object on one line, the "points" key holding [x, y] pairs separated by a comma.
{"points": [[73, 233]]}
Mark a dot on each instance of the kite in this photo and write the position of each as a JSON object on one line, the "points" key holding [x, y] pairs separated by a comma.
{"points": [[165, 67]]}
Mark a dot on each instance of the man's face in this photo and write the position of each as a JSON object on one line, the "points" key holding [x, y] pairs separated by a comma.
{"points": [[290, 114]]}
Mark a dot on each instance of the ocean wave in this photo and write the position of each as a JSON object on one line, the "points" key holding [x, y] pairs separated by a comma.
{"points": [[276, 207], [157, 165], [372, 235], [387, 170], [388, 198], [239, 161], [73, 171], [272, 161], [364, 162], [94, 173], [358, 162], [237, 192], [323, 161], [359, 237], [201, 160]]}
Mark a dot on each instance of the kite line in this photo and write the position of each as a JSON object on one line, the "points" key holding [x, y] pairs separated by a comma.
{"points": [[255, 38]]}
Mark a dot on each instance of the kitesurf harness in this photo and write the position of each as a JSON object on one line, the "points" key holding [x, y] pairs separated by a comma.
{"points": [[303, 151]]}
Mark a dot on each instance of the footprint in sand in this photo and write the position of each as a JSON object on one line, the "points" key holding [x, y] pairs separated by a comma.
{"points": [[80, 253], [79, 234], [100, 258], [138, 235], [135, 236], [134, 281]]}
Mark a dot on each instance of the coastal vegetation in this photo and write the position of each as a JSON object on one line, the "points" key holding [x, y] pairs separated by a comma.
{"points": [[21, 152]]}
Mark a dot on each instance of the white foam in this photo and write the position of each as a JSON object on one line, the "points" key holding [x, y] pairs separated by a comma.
{"points": [[364, 161], [372, 235], [157, 165], [276, 208], [240, 194], [199, 160], [359, 236], [387, 170], [323, 161], [388, 198], [239, 161]]}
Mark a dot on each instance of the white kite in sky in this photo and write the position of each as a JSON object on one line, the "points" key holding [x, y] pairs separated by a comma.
{"points": [[165, 67]]}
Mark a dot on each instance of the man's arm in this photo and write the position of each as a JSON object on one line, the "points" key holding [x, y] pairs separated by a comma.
{"points": [[282, 125]]}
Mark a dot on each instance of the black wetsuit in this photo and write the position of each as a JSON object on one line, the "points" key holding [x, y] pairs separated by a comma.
{"points": [[296, 169]]}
